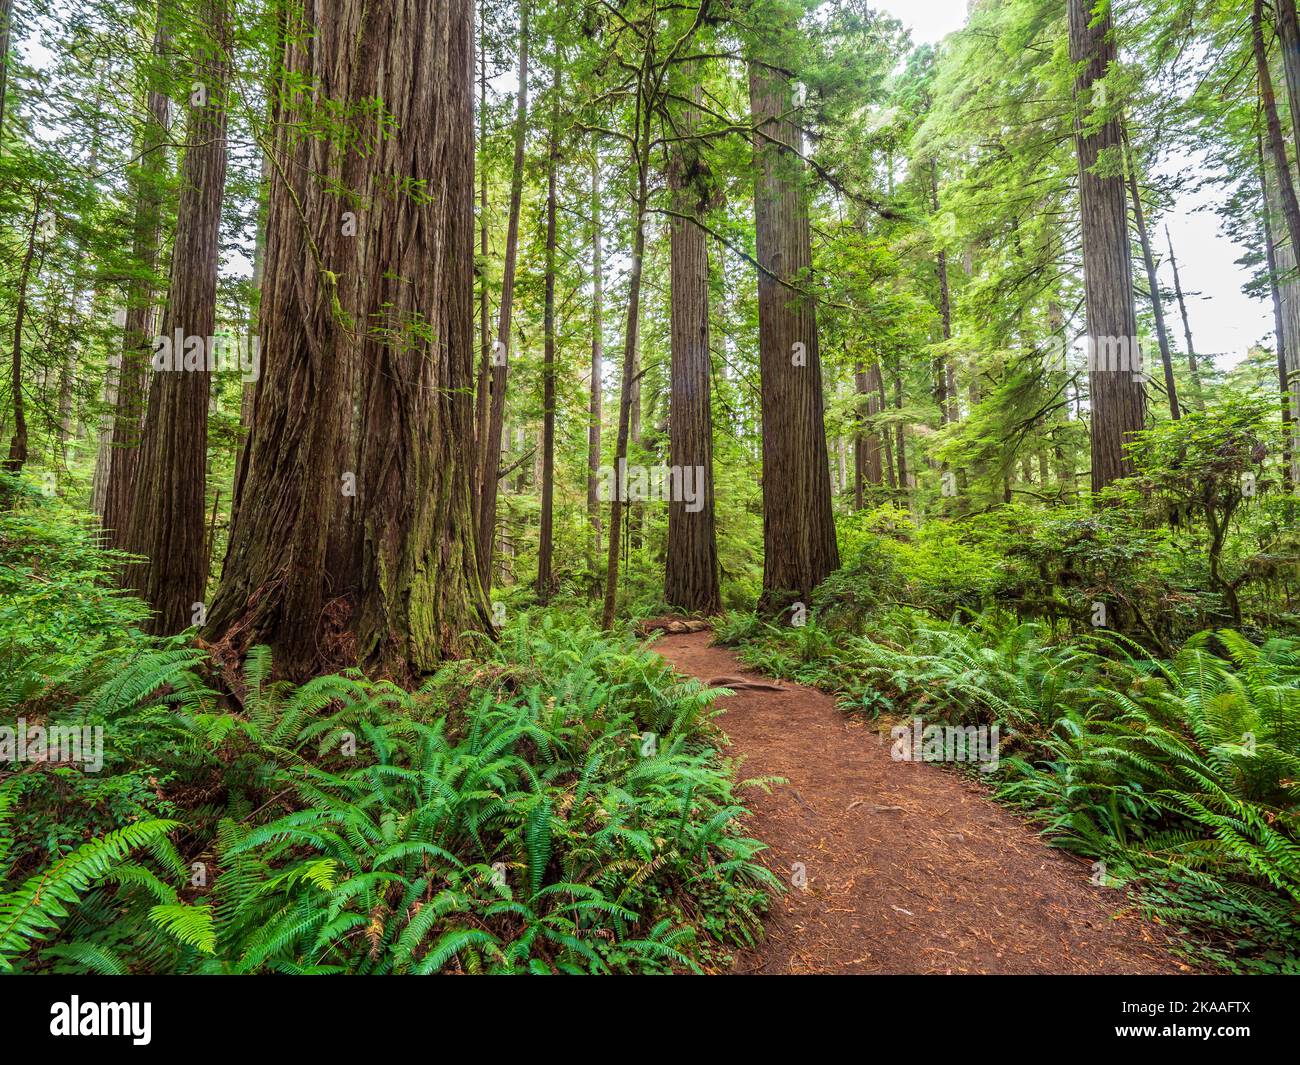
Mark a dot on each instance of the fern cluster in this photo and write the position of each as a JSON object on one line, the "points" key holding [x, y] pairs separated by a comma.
{"points": [[1181, 775], [556, 805]]}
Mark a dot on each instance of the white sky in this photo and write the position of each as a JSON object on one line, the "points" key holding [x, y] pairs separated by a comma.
{"points": [[1225, 322], [929, 20]]}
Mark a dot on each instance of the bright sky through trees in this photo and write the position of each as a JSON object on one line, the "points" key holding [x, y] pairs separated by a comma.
{"points": [[1228, 321]]}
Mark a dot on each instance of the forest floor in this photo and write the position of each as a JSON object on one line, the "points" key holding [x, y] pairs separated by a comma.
{"points": [[910, 868]]}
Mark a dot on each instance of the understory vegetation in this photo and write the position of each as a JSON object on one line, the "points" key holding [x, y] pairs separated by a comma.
{"points": [[558, 803], [1167, 754]]}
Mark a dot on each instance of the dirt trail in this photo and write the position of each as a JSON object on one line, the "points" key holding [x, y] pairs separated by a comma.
{"points": [[910, 868]]}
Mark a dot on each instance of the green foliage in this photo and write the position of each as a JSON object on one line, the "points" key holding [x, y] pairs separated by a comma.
{"points": [[31, 910], [57, 607], [1180, 775], [558, 805]]}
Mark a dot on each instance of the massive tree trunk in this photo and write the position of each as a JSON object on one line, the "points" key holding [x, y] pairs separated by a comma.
{"points": [[490, 434], [166, 519], [1115, 381], [146, 179], [480, 273], [545, 544], [597, 360], [798, 522], [377, 329], [1153, 282], [691, 571]]}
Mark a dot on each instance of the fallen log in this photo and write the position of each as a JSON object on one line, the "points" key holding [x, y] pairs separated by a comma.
{"points": [[674, 627]]}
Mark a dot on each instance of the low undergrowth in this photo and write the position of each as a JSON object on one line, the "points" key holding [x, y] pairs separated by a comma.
{"points": [[558, 804], [1179, 777]]}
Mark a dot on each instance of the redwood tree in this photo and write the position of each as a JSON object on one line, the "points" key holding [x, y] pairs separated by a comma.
{"points": [[691, 572], [546, 539], [1118, 391], [798, 523], [369, 349], [145, 179], [493, 406], [596, 382], [165, 522]]}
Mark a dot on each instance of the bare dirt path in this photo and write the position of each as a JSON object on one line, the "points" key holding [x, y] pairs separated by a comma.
{"points": [[909, 867]]}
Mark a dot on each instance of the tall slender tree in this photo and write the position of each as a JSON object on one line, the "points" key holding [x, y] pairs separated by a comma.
{"points": [[6, 34], [945, 377], [596, 382], [17, 457], [1193, 365], [1153, 281], [1283, 339], [691, 571], [1114, 379], [868, 465], [1273, 127], [165, 523], [146, 178], [546, 539], [646, 86], [1288, 27], [799, 546], [639, 153], [489, 434]]}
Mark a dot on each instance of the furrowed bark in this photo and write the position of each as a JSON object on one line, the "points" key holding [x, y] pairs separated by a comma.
{"points": [[166, 523], [1115, 381], [691, 580], [800, 549], [146, 179], [371, 348]]}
